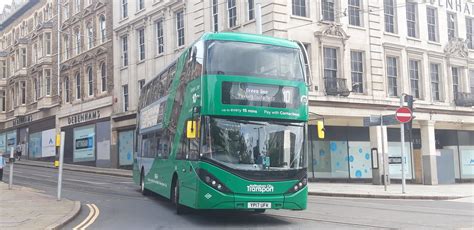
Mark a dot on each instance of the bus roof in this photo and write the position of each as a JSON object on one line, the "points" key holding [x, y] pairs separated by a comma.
{"points": [[252, 38]]}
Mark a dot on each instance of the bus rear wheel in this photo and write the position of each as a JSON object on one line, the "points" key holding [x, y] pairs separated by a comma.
{"points": [[180, 209], [142, 184]]}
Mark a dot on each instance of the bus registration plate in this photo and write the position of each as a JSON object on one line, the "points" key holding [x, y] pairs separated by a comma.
{"points": [[259, 205]]}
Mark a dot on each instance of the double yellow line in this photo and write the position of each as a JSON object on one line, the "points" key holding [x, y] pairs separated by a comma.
{"points": [[93, 214]]}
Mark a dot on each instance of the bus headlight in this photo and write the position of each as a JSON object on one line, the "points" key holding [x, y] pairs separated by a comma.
{"points": [[298, 186], [212, 181]]}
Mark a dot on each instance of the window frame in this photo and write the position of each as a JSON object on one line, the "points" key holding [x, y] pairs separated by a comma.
{"points": [[180, 28], [141, 44], [331, 59], [124, 49], [78, 86], [125, 97], [414, 69], [434, 25], [215, 15], [231, 13], [124, 9], [103, 77], [393, 29], [412, 22], [454, 24], [357, 73], [90, 81], [357, 10], [392, 78], [160, 36], [435, 83], [470, 32], [328, 10]]}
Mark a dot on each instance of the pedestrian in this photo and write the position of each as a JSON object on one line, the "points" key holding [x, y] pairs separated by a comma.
{"points": [[19, 149]]}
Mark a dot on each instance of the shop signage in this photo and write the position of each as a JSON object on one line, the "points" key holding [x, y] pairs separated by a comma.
{"points": [[462, 6], [83, 117], [22, 120]]}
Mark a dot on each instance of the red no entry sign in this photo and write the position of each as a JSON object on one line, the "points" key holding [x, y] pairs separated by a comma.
{"points": [[403, 115]]}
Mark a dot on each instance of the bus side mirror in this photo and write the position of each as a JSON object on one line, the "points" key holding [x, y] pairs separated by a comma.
{"points": [[191, 129], [321, 130]]}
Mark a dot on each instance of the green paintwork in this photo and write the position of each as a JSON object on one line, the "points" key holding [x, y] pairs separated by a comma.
{"points": [[206, 92], [250, 38]]}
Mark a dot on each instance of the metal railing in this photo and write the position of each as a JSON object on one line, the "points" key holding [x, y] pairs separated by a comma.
{"points": [[464, 99], [336, 86]]}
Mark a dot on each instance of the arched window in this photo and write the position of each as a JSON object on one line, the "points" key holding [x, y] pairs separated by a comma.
{"points": [[78, 86], [103, 76], [90, 81], [90, 36], [102, 28]]}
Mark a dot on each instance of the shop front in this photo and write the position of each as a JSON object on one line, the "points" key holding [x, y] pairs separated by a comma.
{"points": [[87, 138], [34, 132]]}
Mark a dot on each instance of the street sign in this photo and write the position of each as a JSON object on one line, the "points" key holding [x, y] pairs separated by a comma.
{"points": [[403, 114], [374, 120]]}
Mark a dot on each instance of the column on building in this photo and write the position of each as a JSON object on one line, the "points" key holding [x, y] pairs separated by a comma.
{"points": [[428, 149]]}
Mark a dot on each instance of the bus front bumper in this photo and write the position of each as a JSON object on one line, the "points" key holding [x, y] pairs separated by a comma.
{"points": [[210, 198]]}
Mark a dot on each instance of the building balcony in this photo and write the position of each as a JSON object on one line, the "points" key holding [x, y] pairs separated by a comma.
{"points": [[464, 99], [20, 110], [47, 102], [336, 86]]}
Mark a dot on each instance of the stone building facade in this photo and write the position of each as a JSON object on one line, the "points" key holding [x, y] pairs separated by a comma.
{"points": [[363, 56]]}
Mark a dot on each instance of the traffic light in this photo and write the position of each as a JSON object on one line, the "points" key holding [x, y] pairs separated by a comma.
{"points": [[321, 130]]}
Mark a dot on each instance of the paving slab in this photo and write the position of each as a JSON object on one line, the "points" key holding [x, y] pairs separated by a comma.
{"points": [[27, 208], [412, 191]]}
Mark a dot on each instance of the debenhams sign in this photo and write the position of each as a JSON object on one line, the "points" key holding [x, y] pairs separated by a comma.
{"points": [[462, 6], [83, 117]]}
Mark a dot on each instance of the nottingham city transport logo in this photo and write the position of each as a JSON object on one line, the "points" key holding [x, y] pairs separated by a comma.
{"points": [[260, 188]]}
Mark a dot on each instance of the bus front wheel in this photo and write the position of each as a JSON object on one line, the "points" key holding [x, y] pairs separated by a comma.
{"points": [[180, 209]]}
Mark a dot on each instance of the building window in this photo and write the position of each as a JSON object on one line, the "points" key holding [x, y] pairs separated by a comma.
{"points": [[299, 8], [432, 18], [390, 17], [452, 33], [66, 89], [103, 32], [215, 15], [455, 74], [251, 9], [355, 10], [125, 98], [124, 8], [40, 82], [66, 47], [411, 9], [3, 69], [23, 92], [77, 6], [103, 76], [471, 80], [357, 71], [232, 13], [414, 78], [470, 33], [141, 44], [124, 50], [23, 57], [160, 43], [328, 10], [47, 43], [180, 27], [90, 36], [47, 77], [392, 75], [141, 5], [435, 81], [141, 83], [2, 101], [66, 11], [78, 86], [13, 97], [90, 81], [330, 63], [77, 46], [35, 89]]}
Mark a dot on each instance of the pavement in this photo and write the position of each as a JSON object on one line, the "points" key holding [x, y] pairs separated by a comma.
{"points": [[394, 191], [27, 208]]}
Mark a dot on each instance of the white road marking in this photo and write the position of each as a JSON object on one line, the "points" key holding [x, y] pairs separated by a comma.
{"points": [[87, 182]]}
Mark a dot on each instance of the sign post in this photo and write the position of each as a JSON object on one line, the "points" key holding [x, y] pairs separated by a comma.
{"points": [[61, 159], [403, 115]]}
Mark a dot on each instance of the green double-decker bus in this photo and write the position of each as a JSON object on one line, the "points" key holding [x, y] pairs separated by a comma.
{"points": [[225, 126]]}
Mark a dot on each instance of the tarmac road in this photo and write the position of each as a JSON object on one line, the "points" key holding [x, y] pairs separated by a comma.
{"points": [[120, 205]]}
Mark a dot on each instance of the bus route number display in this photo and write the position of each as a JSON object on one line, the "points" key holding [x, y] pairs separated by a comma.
{"points": [[253, 94]]}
